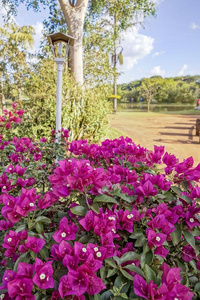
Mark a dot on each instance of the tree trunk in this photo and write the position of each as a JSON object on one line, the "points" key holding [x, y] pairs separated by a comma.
{"points": [[19, 90], [75, 17], [148, 103], [114, 66]]}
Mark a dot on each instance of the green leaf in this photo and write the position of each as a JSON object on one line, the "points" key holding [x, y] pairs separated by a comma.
{"points": [[110, 262], [59, 273], [176, 189], [78, 210], [128, 256], [122, 283], [33, 255], [197, 199], [84, 239], [44, 252], [140, 241], [190, 239], [104, 199], [193, 279], [37, 296], [185, 198], [197, 287], [20, 228], [146, 258], [39, 227], [111, 272], [149, 274], [95, 207], [42, 219], [122, 196], [134, 269], [23, 258], [176, 235], [106, 295], [137, 233], [97, 297], [103, 273], [123, 295], [169, 196], [117, 259], [126, 274]]}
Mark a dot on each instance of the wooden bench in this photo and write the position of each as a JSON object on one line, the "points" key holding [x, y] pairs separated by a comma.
{"points": [[198, 128]]}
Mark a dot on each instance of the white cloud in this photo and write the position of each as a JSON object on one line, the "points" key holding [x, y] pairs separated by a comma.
{"points": [[38, 33], [182, 70], [135, 47], [156, 54], [157, 71], [194, 26], [157, 2]]}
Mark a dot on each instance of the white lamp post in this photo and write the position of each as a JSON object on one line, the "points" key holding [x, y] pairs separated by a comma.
{"points": [[60, 39]]}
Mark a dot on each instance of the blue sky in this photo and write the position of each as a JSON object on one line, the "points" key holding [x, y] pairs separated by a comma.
{"points": [[169, 45]]}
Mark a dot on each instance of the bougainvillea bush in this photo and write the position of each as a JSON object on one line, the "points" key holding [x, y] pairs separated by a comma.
{"points": [[85, 221]]}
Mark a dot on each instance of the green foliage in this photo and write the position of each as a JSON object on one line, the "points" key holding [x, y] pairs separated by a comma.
{"points": [[15, 42], [184, 90], [105, 22], [84, 111]]}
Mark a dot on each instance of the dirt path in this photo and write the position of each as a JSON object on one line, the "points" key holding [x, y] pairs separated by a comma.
{"points": [[175, 132]]}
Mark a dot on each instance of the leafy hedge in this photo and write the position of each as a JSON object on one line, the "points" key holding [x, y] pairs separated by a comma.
{"points": [[110, 221]]}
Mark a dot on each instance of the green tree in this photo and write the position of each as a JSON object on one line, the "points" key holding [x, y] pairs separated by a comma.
{"points": [[84, 111], [122, 14], [116, 17], [15, 43], [149, 88]]}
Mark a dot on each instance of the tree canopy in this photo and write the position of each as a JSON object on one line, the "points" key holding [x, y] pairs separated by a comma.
{"points": [[164, 90], [105, 22]]}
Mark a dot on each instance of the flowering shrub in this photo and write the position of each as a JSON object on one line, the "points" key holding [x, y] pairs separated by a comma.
{"points": [[110, 221]]}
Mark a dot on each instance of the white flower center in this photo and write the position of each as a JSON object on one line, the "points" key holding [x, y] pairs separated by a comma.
{"points": [[96, 249], [98, 254], [111, 218], [63, 234], [113, 230], [2, 296], [31, 204], [9, 240], [191, 220], [87, 164], [129, 216], [157, 239], [4, 187], [175, 298], [130, 171], [84, 250], [133, 264], [10, 169], [42, 276]]}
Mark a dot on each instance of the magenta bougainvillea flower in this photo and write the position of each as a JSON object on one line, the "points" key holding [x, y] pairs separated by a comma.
{"points": [[155, 239], [102, 219], [20, 289], [32, 243], [140, 287], [66, 232], [43, 277]]}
